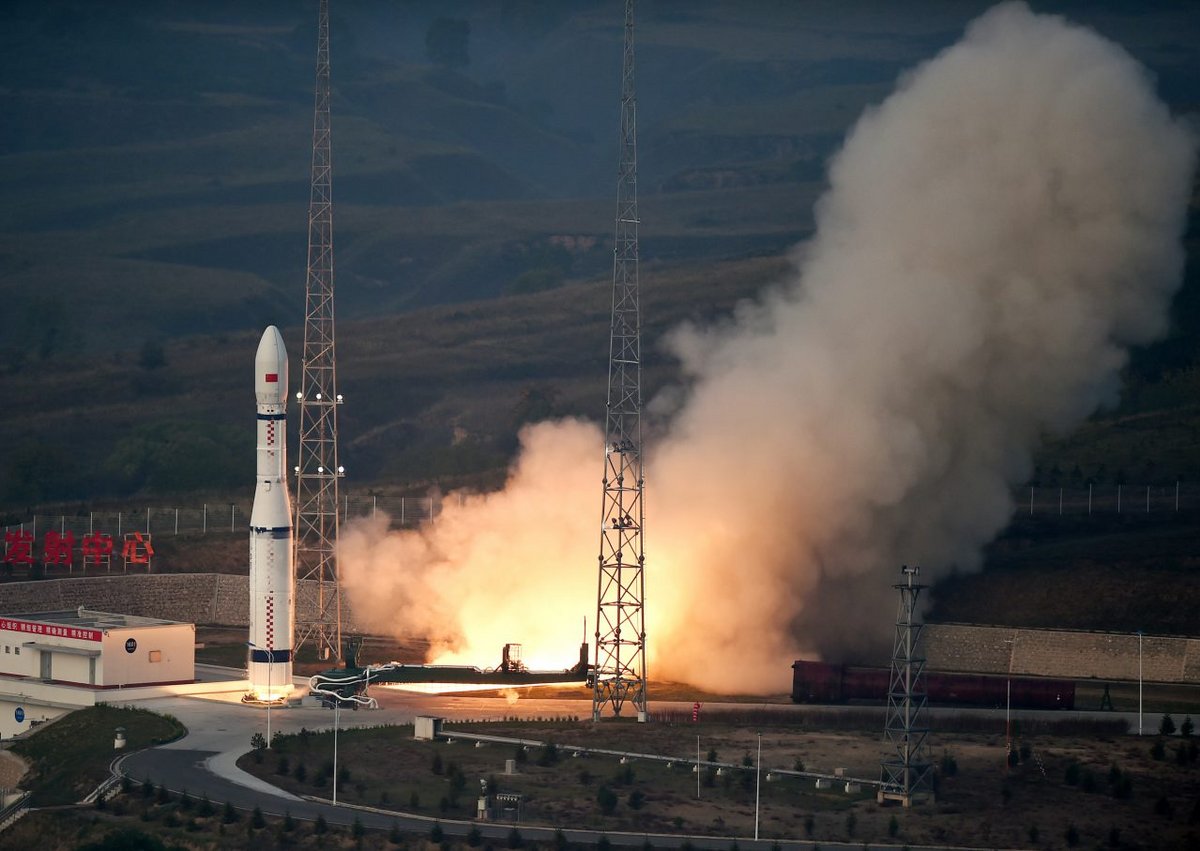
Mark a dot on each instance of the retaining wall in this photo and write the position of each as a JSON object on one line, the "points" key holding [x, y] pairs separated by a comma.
{"points": [[1061, 653], [204, 598]]}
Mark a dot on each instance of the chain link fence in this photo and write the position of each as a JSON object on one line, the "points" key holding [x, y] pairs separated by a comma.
{"points": [[217, 518]]}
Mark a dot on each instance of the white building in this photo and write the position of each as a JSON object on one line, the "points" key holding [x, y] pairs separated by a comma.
{"points": [[96, 650]]}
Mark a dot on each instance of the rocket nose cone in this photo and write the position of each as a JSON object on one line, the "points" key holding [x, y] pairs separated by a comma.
{"points": [[270, 368]]}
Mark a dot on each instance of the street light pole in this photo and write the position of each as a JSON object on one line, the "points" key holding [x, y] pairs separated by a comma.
{"points": [[757, 785], [337, 711], [1139, 635]]}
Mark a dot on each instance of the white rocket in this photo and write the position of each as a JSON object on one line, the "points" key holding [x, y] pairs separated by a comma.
{"points": [[272, 598]]}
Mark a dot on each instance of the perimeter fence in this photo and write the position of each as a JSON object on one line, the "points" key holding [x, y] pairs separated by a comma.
{"points": [[407, 512]]}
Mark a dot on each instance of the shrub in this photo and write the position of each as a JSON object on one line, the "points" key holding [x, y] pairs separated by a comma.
{"points": [[1187, 728], [206, 808], [549, 754], [319, 826], [436, 834], [636, 799], [229, 815], [147, 788], [357, 830], [394, 835], [949, 764], [163, 795], [289, 823], [256, 818], [185, 801], [1167, 726], [560, 840], [258, 741], [607, 800]]}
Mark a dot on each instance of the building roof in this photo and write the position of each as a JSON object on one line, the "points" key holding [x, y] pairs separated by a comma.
{"points": [[90, 619]]}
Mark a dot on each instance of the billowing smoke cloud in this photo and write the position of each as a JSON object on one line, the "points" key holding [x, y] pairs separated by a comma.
{"points": [[995, 235]]}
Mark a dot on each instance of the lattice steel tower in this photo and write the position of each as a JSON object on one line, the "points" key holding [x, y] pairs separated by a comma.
{"points": [[318, 596], [908, 774], [620, 667]]}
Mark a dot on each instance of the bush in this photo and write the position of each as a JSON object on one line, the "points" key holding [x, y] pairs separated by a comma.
{"points": [[607, 800], [1187, 728], [949, 764], [357, 830], [319, 826], [436, 834], [636, 799], [1167, 726], [560, 840], [258, 741], [394, 835], [185, 801], [256, 818], [206, 808], [147, 788], [163, 795], [548, 755], [229, 815]]}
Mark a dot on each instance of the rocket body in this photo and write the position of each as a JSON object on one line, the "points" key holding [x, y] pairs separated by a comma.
{"points": [[272, 597]]}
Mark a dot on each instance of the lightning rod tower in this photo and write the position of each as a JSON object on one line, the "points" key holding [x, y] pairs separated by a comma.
{"points": [[318, 596], [620, 662], [907, 774]]}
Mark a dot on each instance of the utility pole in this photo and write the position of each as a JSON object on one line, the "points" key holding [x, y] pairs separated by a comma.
{"points": [[620, 667], [318, 594]]}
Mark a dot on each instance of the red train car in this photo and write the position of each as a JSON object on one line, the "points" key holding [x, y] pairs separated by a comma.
{"points": [[821, 682]]}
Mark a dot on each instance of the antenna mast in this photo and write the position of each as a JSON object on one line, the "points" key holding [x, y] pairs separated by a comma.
{"points": [[318, 596], [620, 668]]}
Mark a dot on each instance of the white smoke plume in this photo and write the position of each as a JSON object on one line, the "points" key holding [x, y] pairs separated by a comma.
{"points": [[995, 236]]}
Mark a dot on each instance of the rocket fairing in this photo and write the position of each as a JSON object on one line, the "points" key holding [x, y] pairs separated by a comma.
{"points": [[272, 597]]}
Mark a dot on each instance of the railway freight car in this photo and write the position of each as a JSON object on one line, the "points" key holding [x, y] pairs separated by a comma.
{"points": [[820, 682]]}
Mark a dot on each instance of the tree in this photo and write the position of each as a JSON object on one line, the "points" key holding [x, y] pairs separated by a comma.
{"points": [[1167, 726], [357, 830], [1187, 728], [436, 834], [636, 798], [320, 826], [229, 815], [447, 42], [607, 799], [258, 741], [256, 818]]}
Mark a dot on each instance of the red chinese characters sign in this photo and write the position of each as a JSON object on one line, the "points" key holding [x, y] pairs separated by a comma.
{"points": [[51, 629]]}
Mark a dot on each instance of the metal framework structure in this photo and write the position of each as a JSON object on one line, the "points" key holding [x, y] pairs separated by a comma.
{"points": [[318, 596], [620, 666], [908, 775]]}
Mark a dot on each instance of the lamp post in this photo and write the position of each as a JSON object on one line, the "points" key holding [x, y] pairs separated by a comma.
{"points": [[271, 656], [757, 784], [1139, 635], [337, 711]]}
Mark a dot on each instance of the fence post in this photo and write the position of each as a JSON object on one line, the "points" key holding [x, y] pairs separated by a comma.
{"points": [[92, 518], [1177, 496], [119, 528], [232, 513], [1060, 502], [1089, 499], [1031, 500], [1147, 499], [401, 511], [62, 524], [176, 522], [204, 527], [374, 498], [147, 520], [1118, 499]]}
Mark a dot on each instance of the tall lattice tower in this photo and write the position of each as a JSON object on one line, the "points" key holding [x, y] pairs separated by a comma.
{"points": [[907, 774], [620, 668], [318, 596]]}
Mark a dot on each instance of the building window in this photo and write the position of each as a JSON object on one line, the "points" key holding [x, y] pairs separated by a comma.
{"points": [[155, 655], [16, 651]]}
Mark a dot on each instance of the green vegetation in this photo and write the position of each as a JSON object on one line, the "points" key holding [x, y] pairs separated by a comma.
{"points": [[70, 757]]}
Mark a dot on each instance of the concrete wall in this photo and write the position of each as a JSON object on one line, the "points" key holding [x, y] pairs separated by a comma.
{"points": [[203, 598], [1061, 653]]}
